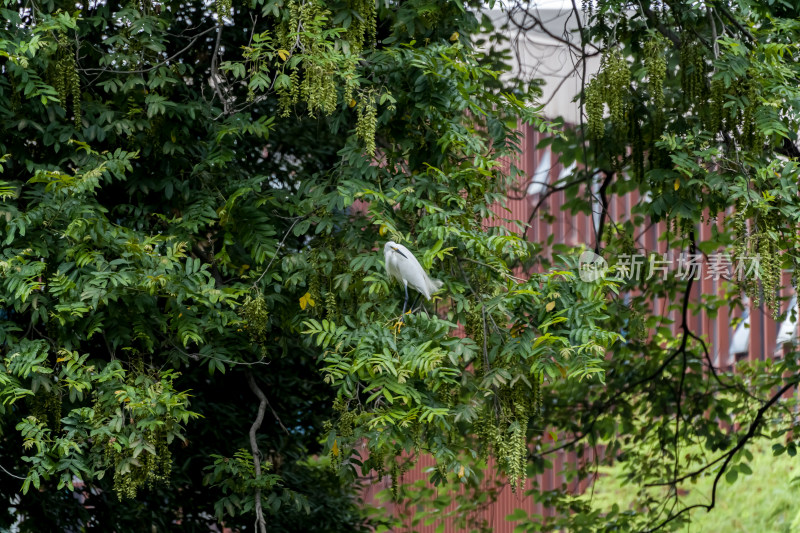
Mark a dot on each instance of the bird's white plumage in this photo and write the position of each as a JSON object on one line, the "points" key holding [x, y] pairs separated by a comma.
{"points": [[404, 267]]}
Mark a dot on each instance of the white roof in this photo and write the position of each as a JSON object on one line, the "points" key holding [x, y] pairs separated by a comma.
{"points": [[549, 51]]}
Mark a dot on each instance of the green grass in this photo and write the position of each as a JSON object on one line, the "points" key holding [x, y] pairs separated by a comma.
{"points": [[765, 501]]}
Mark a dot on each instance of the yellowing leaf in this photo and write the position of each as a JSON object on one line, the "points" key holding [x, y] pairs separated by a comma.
{"points": [[677, 184], [306, 301], [550, 306], [284, 54], [352, 102], [383, 229], [335, 449], [461, 472], [62, 359], [455, 36]]}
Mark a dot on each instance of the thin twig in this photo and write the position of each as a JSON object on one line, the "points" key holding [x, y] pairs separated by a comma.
{"points": [[280, 245], [164, 62], [729, 456], [196, 356], [10, 474], [735, 22]]}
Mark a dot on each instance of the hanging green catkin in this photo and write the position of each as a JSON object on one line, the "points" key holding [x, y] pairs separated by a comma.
{"points": [[65, 79], [594, 103], [361, 33], [618, 78], [331, 308], [716, 109], [693, 70], [656, 65], [520, 439], [367, 121], [698, 74], [748, 127], [223, 7], [474, 329], [538, 379], [686, 64], [637, 149], [256, 316], [771, 276], [485, 431], [395, 473], [609, 87]]}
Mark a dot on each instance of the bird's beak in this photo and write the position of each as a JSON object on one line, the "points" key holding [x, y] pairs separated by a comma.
{"points": [[399, 252]]}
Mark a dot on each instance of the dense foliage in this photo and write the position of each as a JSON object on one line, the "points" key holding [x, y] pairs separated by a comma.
{"points": [[196, 326], [694, 107]]}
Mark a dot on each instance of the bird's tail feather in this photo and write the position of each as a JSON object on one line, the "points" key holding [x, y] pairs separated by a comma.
{"points": [[433, 285]]}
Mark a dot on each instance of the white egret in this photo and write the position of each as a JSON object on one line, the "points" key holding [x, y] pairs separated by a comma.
{"points": [[404, 267]]}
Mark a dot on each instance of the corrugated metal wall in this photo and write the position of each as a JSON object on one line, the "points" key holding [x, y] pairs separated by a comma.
{"points": [[565, 228]]}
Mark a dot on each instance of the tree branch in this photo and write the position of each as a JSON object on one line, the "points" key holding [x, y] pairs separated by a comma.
{"points": [[261, 524], [729, 455], [161, 63], [215, 77], [666, 32], [722, 9]]}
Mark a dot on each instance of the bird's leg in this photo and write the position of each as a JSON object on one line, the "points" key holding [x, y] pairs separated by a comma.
{"points": [[414, 305], [405, 303]]}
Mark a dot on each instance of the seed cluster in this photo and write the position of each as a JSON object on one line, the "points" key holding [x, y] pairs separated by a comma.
{"points": [[367, 122], [693, 69], [656, 65], [760, 245], [254, 312], [45, 406], [64, 77], [715, 116], [148, 469], [751, 137], [223, 7], [503, 426], [320, 78], [609, 87]]}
